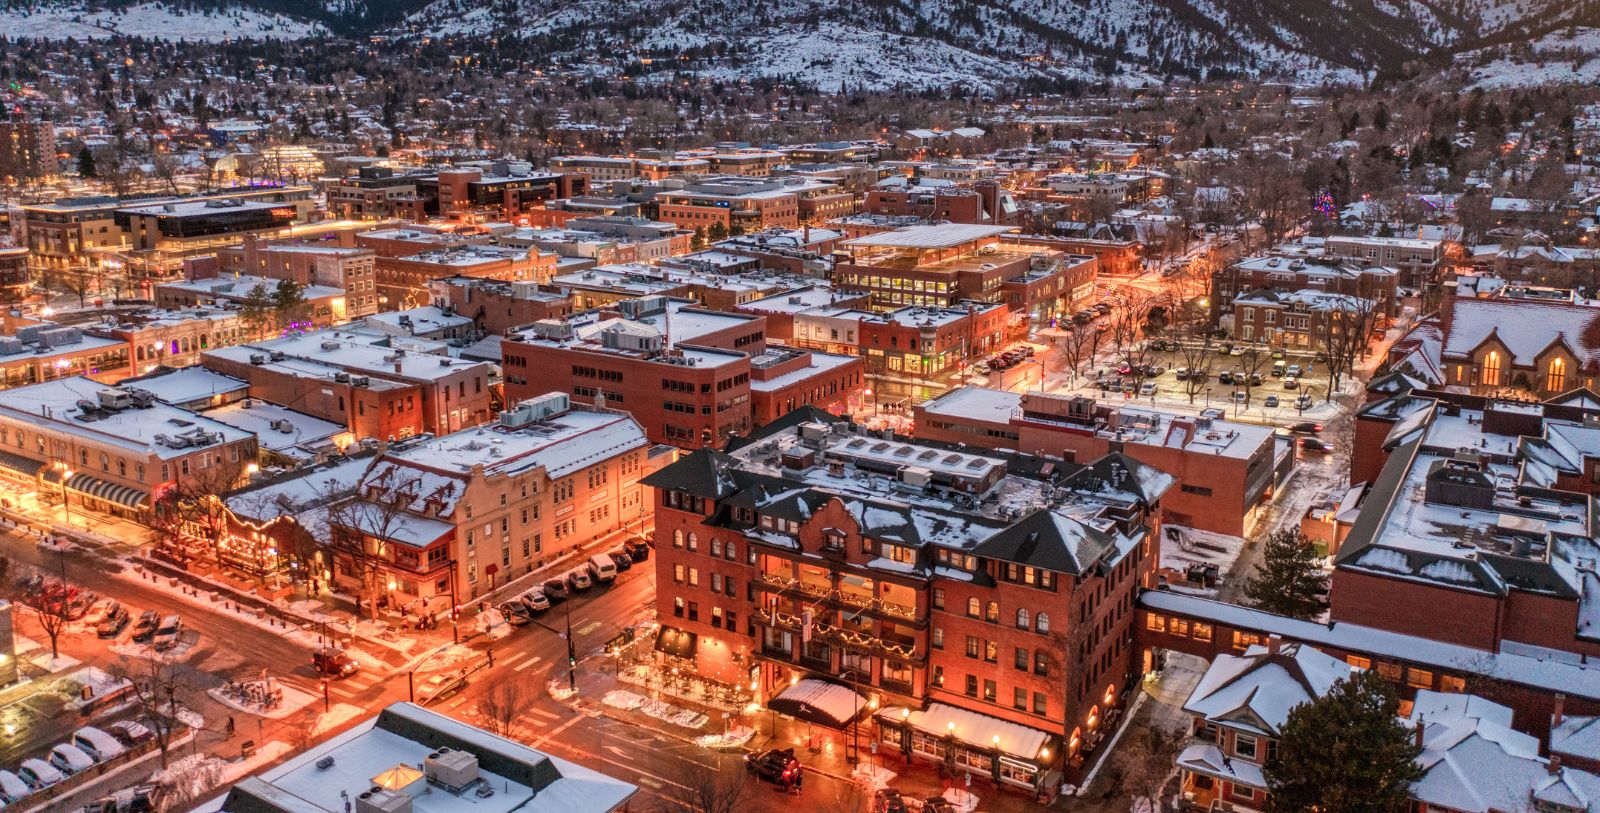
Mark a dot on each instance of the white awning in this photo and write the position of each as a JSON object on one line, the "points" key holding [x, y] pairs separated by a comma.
{"points": [[1205, 758], [819, 701], [975, 729]]}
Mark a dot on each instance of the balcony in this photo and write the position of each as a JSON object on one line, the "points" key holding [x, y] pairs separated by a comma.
{"points": [[839, 600], [898, 647]]}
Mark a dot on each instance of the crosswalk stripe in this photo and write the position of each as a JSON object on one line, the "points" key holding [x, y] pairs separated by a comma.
{"points": [[525, 664]]}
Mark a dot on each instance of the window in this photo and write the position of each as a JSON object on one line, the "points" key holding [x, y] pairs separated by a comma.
{"points": [[938, 598], [990, 690], [1041, 662], [1021, 661], [1491, 369], [1449, 683], [938, 676], [1419, 678], [1040, 705], [1244, 745], [1358, 662], [677, 538], [974, 608], [1019, 698], [938, 638], [1389, 671], [1199, 491], [991, 652], [972, 685], [992, 612], [1155, 623], [1022, 618], [1200, 632], [1041, 624], [694, 542], [972, 647], [1556, 375]]}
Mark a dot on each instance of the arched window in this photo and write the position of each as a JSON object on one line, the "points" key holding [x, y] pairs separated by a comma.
{"points": [[992, 615], [1491, 369], [1042, 623], [694, 542], [1022, 618], [677, 538], [1555, 379], [974, 608]]}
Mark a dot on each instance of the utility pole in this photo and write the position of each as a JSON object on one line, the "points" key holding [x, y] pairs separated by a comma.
{"points": [[572, 652]]}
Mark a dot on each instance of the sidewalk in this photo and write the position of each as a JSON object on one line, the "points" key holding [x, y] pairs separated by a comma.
{"points": [[821, 750]]}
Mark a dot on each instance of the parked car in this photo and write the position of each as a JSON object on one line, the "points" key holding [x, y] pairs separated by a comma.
{"points": [[130, 732], [145, 628], [1305, 427], [1277, 369], [166, 636], [578, 579], [113, 622], [1277, 354], [1303, 402], [556, 590], [1026, 350], [1255, 379], [1239, 396], [515, 612], [638, 549], [38, 773], [12, 788], [939, 804], [1182, 373], [1311, 445], [1293, 369], [888, 800], [1271, 401], [774, 765], [1225, 377], [622, 560], [1238, 350], [334, 662], [70, 759], [1291, 383], [1147, 388], [97, 744], [1153, 370], [601, 568], [535, 600], [1213, 413]]}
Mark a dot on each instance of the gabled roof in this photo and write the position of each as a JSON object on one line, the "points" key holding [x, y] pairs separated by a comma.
{"points": [[1048, 540], [702, 472], [1257, 690], [1116, 474], [1525, 328]]}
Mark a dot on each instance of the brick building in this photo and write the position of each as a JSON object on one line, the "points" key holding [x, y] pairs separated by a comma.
{"points": [[1303, 320], [497, 307], [405, 279], [984, 202], [336, 263], [1225, 472], [783, 380], [954, 595], [1303, 276], [737, 204], [1420, 262], [782, 309]]}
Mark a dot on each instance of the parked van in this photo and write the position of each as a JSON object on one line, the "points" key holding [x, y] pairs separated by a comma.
{"points": [[97, 744], [166, 636], [70, 759], [602, 568]]}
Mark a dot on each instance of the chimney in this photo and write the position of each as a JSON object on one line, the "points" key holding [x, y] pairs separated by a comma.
{"points": [[1554, 765], [397, 368], [1274, 643], [1421, 728], [1560, 710]]}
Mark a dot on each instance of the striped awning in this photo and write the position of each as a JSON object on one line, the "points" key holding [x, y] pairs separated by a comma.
{"points": [[103, 490], [20, 464]]}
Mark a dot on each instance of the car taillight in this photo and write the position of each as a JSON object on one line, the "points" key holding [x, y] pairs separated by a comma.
{"points": [[1317, 426]]}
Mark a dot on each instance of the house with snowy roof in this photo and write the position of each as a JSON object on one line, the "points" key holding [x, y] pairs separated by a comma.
{"points": [[1238, 710], [1475, 762], [1519, 346]]}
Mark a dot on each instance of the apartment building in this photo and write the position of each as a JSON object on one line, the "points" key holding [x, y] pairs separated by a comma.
{"points": [[958, 598], [376, 193], [112, 450], [1225, 472], [1306, 321], [27, 150], [736, 204], [338, 263], [1307, 277], [983, 202], [1420, 262], [457, 515], [497, 307]]}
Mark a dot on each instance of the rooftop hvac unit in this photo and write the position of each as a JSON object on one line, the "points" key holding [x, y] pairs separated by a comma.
{"points": [[278, 355], [380, 800], [452, 769], [330, 345], [342, 378], [258, 358], [11, 345], [552, 329], [360, 381], [112, 398]]}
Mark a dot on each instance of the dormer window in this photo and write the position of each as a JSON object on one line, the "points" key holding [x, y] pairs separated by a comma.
{"points": [[833, 539]]}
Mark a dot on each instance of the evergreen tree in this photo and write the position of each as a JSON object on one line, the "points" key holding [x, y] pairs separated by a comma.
{"points": [[287, 300], [256, 307], [1345, 752], [717, 232], [86, 163], [1290, 580]]}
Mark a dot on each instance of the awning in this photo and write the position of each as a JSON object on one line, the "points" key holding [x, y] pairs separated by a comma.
{"points": [[1205, 758], [818, 701], [973, 729], [20, 464], [676, 642], [108, 491]]}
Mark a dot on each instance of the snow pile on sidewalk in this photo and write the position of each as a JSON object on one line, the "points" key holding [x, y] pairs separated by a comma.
{"points": [[560, 690], [292, 699], [964, 801], [98, 681], [872, 777], [38, 654], [734, 737], [340, 714], [623, 699], [665, 712], [191, 777]]}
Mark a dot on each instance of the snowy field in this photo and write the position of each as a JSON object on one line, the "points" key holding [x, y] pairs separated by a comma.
{"points": [[1554, 59]]}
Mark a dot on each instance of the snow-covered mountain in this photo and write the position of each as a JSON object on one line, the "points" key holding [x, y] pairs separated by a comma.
{"points": [[888, 43]]}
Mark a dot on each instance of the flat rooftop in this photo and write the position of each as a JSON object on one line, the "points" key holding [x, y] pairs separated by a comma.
{"points": [[322, 353], [54, 404], [561, 444], [946, 235], [820, 363]]}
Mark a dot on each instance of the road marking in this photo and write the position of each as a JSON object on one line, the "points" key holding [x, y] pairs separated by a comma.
{"points": [[615, 750], [525, 664], [549, 735], [548, 715], [589, 628]]}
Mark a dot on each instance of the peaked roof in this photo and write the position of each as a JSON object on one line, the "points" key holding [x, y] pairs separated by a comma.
{"points": [[1525, 328], [1048, 540], [1257, 690]]}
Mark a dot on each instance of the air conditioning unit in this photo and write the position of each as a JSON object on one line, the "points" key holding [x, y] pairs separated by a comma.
{"points": [[450, 768], [258, 358], [278, 355], [381, 800], [113, 398], [330, 345], [342, 378]]}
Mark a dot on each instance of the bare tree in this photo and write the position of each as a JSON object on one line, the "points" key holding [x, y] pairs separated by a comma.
{"points": [[1076, 347], [1253, 364], [1349, 332], [49, 601], [1145, 762], [159, 691], [361, 528], [1199, 356], [503, 705], [717, 786], [192, 509], [80, 282], [1128, 318]]}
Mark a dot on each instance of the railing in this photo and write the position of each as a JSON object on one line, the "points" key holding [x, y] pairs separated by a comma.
{"points": [[794, 588]]}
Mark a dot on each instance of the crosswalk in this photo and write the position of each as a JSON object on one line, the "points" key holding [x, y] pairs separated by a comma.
{"points": [[351, 686]]}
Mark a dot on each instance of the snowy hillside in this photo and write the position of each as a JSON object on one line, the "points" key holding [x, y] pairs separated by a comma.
{"points": [[151, 19], [1571, 57]]}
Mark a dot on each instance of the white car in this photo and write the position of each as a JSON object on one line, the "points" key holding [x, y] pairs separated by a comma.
{"points": [[70, 759], [38, 773], [12, 787], [1147, 388], [97, 744]]}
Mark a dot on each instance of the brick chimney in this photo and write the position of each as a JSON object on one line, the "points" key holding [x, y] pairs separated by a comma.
{"points": [[1554, 765], [1274, 643], [1560, 710], [1421, 730]]}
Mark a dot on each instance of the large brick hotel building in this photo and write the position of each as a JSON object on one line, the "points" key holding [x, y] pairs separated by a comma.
{"points": [[977, 607]]}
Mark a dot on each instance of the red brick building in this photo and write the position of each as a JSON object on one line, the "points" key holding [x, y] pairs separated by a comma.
{"points": [[982, 202], [496, 307], [1225, 471], [783, 380], [795, 564]]}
